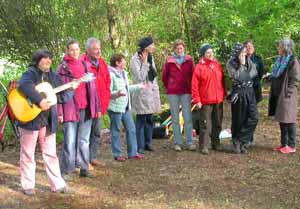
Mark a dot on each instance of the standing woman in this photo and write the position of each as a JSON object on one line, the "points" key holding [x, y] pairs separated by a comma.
{"points": [[257, 60], [208, 91], [119, 109], [146, 101], [283, 95], [242, 70], [76, 114], [177, 78], [42, 128]]}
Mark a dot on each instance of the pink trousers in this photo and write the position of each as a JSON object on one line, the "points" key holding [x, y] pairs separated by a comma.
{"points": [[28, 142]]}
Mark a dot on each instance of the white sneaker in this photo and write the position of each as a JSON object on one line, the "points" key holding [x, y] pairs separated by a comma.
{"points": [[191, 147], [177, 147]]}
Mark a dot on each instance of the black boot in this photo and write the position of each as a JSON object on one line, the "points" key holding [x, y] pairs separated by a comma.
{"points": [[244, 149], [237, 147]]}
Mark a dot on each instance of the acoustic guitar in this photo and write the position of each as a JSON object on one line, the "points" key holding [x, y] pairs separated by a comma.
{"points": [[25, 111]]}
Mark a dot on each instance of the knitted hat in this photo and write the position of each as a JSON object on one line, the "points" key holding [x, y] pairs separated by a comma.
{"points": [[145, 42], [204, 48], [237, 49]]}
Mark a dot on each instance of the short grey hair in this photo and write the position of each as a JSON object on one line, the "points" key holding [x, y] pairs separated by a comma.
{"points": [[91, 41], [288, 45]]}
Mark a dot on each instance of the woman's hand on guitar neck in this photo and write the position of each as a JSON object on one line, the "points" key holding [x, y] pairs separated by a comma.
{"points": [[44, 105], [75, 84]]}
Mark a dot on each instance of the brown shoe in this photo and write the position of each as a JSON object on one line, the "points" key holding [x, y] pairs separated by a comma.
{"points": [[97, 163]]}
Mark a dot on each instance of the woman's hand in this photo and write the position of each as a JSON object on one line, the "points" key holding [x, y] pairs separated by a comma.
{"points": [[44, 105], [99, 114], [60, 119], [242, 58], [121, 93], [199, 105], [145, 85], [75, 85], [144, 56]]}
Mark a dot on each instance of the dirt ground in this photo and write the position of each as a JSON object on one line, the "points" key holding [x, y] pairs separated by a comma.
{"points": [[166, 179]]}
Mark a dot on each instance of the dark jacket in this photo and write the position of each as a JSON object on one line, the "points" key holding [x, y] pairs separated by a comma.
{"points": [[70, 110], [283, 94], [240, 74], [27, 83], [256, 80]]}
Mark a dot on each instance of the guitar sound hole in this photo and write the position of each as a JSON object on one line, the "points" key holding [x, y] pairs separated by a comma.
{"points": [[43, 94]]}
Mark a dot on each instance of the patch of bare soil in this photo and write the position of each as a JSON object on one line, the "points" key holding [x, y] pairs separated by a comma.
{"points": [[168, 179]]}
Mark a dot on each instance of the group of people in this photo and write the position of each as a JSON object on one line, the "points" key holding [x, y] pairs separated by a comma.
{"points": [[81, 107]]}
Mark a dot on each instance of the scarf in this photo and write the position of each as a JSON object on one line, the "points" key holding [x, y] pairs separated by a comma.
{"points": [[280, 65], [152, 72], [179, 58]]}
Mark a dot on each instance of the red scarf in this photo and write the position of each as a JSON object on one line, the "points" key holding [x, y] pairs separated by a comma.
{"points": [[77, 70]]}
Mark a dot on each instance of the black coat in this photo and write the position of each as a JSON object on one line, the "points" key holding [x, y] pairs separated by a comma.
{"points": [[256, 81]]}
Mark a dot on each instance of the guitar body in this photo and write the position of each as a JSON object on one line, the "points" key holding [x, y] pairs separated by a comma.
{"points": [[45, 89], [20, 107]]}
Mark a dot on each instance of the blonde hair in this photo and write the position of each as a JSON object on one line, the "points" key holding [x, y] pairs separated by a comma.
{"points": [[178, 42]]}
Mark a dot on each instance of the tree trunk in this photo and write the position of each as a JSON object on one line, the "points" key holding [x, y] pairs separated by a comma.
{"points": [[113, 24]]}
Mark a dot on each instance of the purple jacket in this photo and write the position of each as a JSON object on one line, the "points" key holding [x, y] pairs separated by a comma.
{"points": [[70, 111]]}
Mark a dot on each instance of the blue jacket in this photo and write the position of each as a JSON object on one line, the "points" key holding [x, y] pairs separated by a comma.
{"points": [[27, 83]]}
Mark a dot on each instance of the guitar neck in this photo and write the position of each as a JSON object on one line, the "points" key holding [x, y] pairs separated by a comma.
{"points": [[63, 87]]}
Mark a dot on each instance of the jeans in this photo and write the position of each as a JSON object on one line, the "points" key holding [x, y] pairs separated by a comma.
{"points": [[144, 129], [185, 101], [95, 138], [115, 129], [75, 149]]}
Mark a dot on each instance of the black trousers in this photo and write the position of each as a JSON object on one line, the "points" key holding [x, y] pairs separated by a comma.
{"points": [[288, 134], [244, 115]]}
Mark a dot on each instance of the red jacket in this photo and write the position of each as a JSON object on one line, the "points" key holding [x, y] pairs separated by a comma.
{"points": [[177, 78], [103, 81], [208, 84]]}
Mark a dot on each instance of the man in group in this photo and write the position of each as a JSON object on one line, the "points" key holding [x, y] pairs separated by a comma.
{"points": [[98, 66]]}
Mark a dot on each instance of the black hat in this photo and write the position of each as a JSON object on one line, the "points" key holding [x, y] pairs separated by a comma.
{"points": [[237, 49], [145, 42], [203, 48]]}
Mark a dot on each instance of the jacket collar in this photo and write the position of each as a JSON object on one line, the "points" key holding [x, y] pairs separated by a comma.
{"points": [[171, 59]]}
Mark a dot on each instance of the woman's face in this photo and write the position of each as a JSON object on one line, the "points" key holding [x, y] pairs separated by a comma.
{"points": [[280, 50], [121, 65], [74, 50], [179, 50], [45, 64], [209, 54], [250, 48], [150, 48]]}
